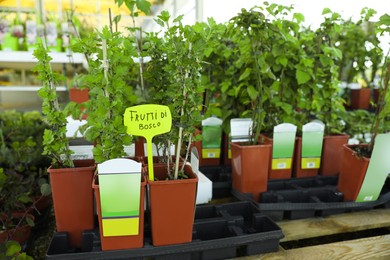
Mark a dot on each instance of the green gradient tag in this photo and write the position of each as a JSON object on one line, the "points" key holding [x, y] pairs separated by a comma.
{"points": [[120, 187], [377, 171], [283, 146], [211, 137], [312, 139], [148, 121]]}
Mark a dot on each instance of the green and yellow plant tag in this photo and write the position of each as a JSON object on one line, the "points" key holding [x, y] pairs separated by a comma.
{"points": [[377, 171], [283, 146], [312, 139], [148, 121], [211, 137], [120, 187]]}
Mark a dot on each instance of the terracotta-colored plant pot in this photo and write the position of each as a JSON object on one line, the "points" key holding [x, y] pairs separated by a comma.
{"points": [[352, 173], [78, 95], [298, 171], [20, 233], [332, 151], [360, 98], [172, 207], [73, 199], [121, 242], [250, 166], [139, 146]]}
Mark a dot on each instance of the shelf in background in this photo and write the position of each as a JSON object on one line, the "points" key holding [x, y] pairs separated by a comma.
{"points": [[27, 88], [26, 60]]}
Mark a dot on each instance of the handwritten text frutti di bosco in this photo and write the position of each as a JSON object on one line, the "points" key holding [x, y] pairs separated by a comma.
{"points": [[147, 120]]}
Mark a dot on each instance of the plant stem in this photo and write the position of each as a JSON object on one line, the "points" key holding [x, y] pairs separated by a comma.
{"points": [[187, 152], [141, 60], [381, 103], [257, 122]]}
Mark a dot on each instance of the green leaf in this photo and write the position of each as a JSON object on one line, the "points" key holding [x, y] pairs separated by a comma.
{"points": [[245, 74], [179, 18], [30, 221], [299, 17], [119, 2], [302, 77], [159, 22], [13, 248], [164, 16], [252, 92], [143, 5], [45, 189], [326, 11], [3, 177], [282, 60], [384, 20], [117, 18]]}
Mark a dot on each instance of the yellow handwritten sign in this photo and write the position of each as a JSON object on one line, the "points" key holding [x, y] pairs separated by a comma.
{"points": [[148, 121]]}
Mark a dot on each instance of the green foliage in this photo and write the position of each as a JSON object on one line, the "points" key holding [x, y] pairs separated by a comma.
{"points": [[135, 6], [174, 74], [110, 91], [327, 104], [258, 67], [23, 174], [359, 44], [13, 250], [382, 114], [55, 141], [21, 137]]}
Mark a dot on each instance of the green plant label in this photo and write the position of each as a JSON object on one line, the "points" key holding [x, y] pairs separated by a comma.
{"points": [[312, 139], [377, 171], [283, 146], [148, 121], [119, 187], [211, 137]]}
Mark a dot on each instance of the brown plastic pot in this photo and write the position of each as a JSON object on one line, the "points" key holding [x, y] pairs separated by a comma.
{"points": [[78, 95], [20, 233], [298, 171], [73, 199], [121, 242], [250, 166], [332, 151], [352, 173], [360, 98], [172, 207]]}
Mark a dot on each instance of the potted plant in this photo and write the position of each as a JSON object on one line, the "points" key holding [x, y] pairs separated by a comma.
{"points": [[111, 80], [15, 219], [261, 72], [70, 180], [328, 106], [21, 149], [359, 44], [357, 157], [174, 77]]}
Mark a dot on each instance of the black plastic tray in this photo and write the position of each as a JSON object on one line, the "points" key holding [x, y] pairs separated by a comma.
{"points": [[219, 232], [308, 197], [221, 178]]}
